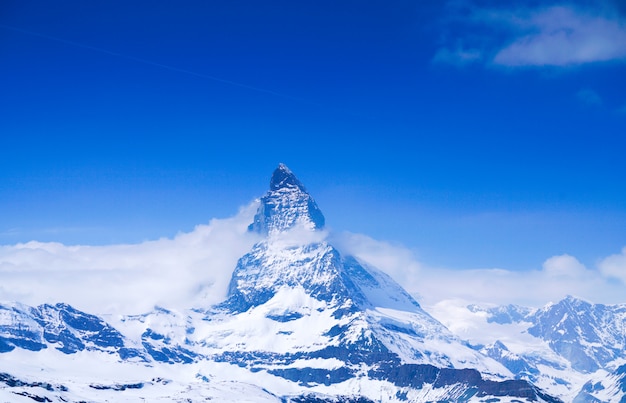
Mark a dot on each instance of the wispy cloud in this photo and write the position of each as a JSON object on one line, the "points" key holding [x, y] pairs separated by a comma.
{"points": [[396, 260], [589, 97], [558, 277], [458, 56], [556, 35], [563, 36], [615, 266]]}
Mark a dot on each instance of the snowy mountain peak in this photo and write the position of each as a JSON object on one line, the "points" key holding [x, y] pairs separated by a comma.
{"points": [[301, 323], [284, 178], [286, 205], [295, 276]]}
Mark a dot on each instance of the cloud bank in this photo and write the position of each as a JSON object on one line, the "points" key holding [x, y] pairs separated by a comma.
{"points": [[558, 277], [614, 266], [525, 35], [191, 269]]}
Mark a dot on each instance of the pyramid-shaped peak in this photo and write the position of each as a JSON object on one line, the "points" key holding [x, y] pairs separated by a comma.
{"points": [[284, 178], [286, 205]]}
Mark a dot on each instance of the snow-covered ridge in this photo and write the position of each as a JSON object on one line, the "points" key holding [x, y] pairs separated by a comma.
{"points": [[573, 348]]}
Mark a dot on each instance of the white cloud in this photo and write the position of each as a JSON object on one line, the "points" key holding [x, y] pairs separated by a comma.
{"points": [[517, 36], [296, 236], [194, 269], [564, 266], [614, 266], [563, 36], [558, 277], [190, 269], [395, 260]]}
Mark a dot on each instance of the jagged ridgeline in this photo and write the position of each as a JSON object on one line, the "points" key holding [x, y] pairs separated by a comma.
{"points": [[302, 322]]}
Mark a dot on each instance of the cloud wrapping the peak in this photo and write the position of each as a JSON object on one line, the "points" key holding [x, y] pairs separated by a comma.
{"points": [[194, 269], [524, 35], [298, 235], [397, 261]]}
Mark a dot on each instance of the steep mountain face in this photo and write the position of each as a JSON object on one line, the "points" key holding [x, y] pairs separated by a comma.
{"points": [[302, 322], [286, 205]]}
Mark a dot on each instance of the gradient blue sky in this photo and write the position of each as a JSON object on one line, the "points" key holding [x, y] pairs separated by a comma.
{"points": [[475, 133]]}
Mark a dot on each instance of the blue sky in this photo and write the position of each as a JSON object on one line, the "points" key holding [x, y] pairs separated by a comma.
{"points": [[477, 134]]}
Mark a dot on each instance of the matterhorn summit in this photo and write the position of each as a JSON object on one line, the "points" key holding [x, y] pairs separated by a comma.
{"points": [[302, 322], [287, 204]]}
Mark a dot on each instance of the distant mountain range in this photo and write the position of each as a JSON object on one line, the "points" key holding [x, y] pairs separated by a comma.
{"points": [[579, 348], [305, 323]]}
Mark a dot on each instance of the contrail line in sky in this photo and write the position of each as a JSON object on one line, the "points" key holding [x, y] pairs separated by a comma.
{"points": [[161, 65]]}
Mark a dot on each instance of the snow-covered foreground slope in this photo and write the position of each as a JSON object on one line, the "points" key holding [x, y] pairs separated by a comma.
{"points": [[246, 357], [301, 323], [95, 377], [88, 376]]}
